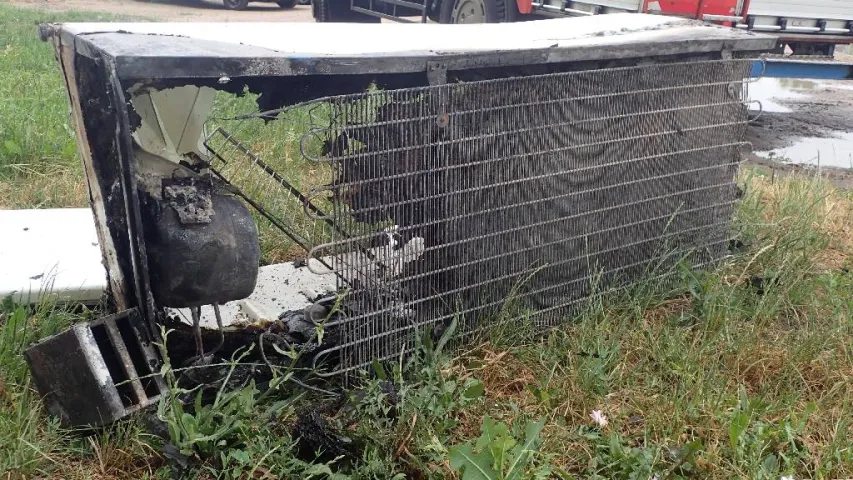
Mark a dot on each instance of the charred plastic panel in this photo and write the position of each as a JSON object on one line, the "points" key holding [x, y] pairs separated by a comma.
{"points": [[95, 120], [206, 256], [96, 373]]}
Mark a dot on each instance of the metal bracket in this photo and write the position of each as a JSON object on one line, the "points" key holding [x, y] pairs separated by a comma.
{"points": [[436, 73], [98, 372]]}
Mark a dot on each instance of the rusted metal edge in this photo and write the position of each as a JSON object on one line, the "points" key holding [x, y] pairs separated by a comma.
{"points": [[115, 277]]}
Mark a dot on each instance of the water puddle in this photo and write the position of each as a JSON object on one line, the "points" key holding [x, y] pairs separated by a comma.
{"points": [[772, 92], [834, 151], [836, 85]]}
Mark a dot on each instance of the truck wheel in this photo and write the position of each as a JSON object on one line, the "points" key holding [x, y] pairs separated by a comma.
{"points": [[235, 4], [286, 3], [477, 11], [338, 11]]}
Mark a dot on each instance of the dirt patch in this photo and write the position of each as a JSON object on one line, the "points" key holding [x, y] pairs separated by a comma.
{"points": [[176, 10]]}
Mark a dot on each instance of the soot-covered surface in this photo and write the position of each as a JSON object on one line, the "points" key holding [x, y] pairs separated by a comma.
{"points": [[534, 189]]}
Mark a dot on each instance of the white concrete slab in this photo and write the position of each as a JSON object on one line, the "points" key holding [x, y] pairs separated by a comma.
{"points": [[279, 289], [50, 254], [54, 254]]}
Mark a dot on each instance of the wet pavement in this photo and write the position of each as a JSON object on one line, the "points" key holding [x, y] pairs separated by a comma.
{"points": [[802, 123], [833, 151], [769, 94]]}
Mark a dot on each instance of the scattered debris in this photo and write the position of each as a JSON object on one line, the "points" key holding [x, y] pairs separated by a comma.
{"points": [[190, 200], [762, 284], [736, 246], [318, 441], [598, 418], [180, 462], [635, 419]]}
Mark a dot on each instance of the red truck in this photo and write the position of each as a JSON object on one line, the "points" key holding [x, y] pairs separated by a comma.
{"points": [[807, 27]]}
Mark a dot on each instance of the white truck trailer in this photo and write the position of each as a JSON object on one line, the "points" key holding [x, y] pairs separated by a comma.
{"points": [[807, 27]]}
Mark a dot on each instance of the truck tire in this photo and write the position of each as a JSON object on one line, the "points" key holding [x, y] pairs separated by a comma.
{"points": [[235, 4], [286, 3], [477, 11], [338, 11]]}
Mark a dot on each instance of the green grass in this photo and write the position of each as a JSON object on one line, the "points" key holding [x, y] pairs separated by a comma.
{"points": [[39, 166], [752, 386], [277, 143], [712, 379]]}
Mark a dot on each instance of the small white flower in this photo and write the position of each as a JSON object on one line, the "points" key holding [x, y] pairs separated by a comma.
{"points": [[598, 418], [787, 477]]}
